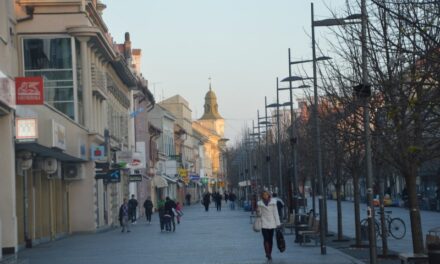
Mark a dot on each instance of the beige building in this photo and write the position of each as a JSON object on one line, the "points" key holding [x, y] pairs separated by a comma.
{"points": [[84, 121], [8, 71], [210, 127]]}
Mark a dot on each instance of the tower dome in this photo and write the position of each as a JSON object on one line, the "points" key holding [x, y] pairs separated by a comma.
{"points": [[211, 106]]}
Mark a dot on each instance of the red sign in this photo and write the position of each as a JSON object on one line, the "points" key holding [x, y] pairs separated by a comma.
{"points": [[29, 90]]}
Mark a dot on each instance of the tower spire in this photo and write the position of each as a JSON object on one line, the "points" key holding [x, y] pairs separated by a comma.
{"points": [[210, 79]]}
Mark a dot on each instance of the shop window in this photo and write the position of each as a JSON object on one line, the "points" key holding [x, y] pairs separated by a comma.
{"points": [[52, 58]]}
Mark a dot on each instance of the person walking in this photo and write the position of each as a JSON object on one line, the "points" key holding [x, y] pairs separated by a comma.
{"points": [[226, 197], [188, 199], [123, 216], [206, 201], [218, 201], [280, 205], [170, 207], [132, 208], [148, 206], [161, 210], [267, 210], [232, 198]]}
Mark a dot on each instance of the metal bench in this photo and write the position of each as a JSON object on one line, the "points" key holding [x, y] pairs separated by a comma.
{"points": [[313, 232], [408, 258]]}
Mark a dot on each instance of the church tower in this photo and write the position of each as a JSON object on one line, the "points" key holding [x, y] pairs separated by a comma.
{"points": [[211, 118]]}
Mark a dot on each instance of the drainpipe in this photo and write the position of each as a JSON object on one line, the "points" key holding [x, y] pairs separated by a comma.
{"points": [[30, 14], [27, 239]]}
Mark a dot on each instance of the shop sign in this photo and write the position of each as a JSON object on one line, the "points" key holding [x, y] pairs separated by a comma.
{"points": [[7, 90], [135, 178], [29, 90], [113, 176], [101, 170], [97, 152], [26, 129], [58, 135], [130, 159], [194, 177]]}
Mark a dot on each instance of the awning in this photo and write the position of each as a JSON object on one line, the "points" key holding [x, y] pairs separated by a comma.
{"points": [[160, 182], [168, 178], [47, 152]]}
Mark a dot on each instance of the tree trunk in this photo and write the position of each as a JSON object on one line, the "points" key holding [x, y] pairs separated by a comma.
{"points": [[357, 214], [338, 198], [414, 211], [384, 227]]}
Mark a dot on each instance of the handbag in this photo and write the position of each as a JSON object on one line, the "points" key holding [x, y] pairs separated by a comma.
{"points": [[281, 243], [257, 224]]}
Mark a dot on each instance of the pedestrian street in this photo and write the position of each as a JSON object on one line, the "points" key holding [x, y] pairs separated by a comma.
{"points": [[224, 237]]}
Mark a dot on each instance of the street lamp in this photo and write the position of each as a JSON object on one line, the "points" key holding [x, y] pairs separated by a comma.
{"points": [[362, 91]]}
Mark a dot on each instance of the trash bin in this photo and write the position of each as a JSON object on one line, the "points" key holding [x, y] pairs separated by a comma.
{"points": [[434, 253]]}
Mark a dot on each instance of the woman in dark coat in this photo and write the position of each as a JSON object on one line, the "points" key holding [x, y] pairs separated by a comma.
{"points": [[206, 201]]}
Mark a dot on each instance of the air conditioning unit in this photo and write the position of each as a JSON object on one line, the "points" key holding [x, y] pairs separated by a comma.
{"points": [[50, 165], [73, 172]]}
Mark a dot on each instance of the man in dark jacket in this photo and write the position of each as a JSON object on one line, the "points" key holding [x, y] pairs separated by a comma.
{"points": [[148, 206], [170, 207], [206, 201], [132, 208]]}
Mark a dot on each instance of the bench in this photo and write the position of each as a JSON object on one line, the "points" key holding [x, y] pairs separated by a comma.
{"points": [[290, 224], [408, 258], [313, 232]]}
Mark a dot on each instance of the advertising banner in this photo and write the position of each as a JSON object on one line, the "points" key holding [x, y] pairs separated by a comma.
{"points": [[29, 90]]}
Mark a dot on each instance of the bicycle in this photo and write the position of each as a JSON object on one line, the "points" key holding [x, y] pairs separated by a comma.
{"points": [[396, 226]]}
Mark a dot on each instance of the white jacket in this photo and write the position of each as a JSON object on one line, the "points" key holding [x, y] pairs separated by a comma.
{"points": [[269, 214]]}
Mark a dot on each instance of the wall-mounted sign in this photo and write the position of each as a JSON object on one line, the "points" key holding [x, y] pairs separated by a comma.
{"points": [[101, 170], [194, 176], [132, 160], [26, 129], [7, 90], [97, 152], [135, 178], [58, 135], [114, 176], [29, 90]]}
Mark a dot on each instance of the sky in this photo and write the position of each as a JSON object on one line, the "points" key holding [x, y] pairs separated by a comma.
{"points": [[242, 45]]}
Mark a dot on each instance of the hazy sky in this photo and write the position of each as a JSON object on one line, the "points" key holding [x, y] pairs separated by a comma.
{"points": [[241, 44]]}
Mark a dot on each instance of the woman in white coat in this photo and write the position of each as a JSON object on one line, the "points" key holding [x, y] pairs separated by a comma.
{"points": [[267, 210]]}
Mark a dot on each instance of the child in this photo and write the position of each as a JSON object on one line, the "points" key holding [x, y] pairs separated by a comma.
{"points": [[179, 212]]}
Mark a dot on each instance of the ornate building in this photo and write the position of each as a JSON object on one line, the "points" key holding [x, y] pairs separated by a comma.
{"points": [[211, 127]]}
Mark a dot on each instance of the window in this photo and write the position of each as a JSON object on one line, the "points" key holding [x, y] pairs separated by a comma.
{"points": [[52, 58]]}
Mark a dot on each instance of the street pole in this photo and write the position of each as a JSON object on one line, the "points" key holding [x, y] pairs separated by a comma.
{"points": [[280, 174], [292, 140], [267, 144], [322, 198], [370, 209]]}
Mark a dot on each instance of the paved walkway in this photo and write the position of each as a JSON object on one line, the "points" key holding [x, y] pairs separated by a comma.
{"points": [[212, 237]]}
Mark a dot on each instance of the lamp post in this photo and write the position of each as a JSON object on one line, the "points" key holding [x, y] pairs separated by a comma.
{"points": [[290, 79], [277, 105], [363, 91]]}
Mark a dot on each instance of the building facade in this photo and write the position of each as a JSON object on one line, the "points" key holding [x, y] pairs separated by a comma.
{"points": [[8, 72], [84, 122]]}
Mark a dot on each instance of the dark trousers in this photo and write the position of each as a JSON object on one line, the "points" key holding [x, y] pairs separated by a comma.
{"points": [[167, 223], [219, 206], [268, 240], [132, 215], [206, 207], [148, 215]]}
